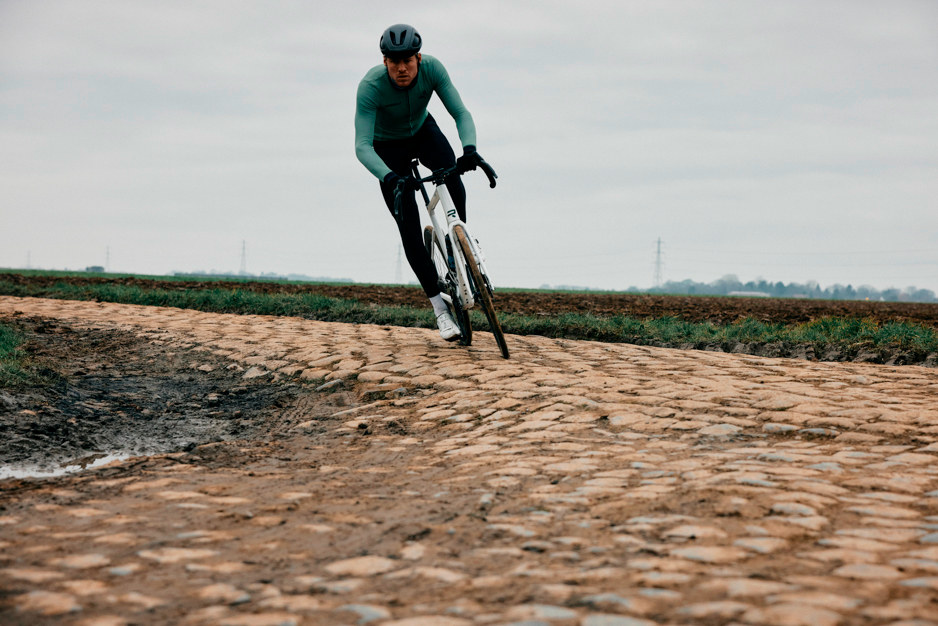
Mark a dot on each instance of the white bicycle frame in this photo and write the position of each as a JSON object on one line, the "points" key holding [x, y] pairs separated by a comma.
{"points": [[442, 202]]}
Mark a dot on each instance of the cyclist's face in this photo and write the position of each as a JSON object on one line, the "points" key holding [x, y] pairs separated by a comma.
{"points": [[403, 71]]}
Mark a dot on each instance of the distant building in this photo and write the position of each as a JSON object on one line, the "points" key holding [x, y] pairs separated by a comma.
{"points": [[98, 269]]}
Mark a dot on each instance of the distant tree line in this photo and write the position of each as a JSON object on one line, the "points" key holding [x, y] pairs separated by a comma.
{"points": [[731, 285]]}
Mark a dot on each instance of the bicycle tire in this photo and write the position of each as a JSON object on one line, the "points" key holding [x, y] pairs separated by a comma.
{"points": [[481, 288], [460, 315], [428, 240]]}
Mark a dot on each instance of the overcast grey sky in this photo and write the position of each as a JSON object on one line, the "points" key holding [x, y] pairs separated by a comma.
{"points": [[790, 140]]}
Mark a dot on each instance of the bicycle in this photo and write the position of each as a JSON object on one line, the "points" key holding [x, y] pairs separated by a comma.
{"points": [[460, 268]]}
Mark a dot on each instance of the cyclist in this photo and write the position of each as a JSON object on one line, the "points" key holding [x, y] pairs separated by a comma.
{"points": [[393, 127]]}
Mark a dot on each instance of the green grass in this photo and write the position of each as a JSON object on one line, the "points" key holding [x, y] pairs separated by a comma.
{"points": [[845, 334], [241, 301], [13, 368]]}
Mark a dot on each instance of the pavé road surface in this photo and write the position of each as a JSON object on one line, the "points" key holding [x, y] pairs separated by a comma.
{"points": [[577, 483]]}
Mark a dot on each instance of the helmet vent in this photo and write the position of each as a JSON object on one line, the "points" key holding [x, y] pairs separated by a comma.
{"points": [[400, 40]]}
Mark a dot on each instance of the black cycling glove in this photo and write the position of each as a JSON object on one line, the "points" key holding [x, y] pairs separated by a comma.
{"points": [[469, 160], [401, 183]]}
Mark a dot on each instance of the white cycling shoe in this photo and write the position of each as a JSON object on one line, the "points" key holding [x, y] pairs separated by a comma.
{"points": [[448, 329]]}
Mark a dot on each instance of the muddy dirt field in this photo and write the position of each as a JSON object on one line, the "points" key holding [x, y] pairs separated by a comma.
{"points": [[112, 391], [719, 310]]}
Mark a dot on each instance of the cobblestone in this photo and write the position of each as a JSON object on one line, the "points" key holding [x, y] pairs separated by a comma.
{"points": [[578, 483]]}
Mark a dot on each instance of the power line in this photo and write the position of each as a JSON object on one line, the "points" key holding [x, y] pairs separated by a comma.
{"points": [[717, 262], [724, 251]]}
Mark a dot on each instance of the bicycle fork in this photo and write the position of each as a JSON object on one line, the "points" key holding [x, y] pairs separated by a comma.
{"points": [[448, 245]]}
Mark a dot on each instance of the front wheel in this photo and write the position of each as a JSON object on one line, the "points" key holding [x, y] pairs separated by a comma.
{"points": [[448, 286], [481, 288]]}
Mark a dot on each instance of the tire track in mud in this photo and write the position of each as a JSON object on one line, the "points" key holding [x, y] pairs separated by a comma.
{"points": [[107, 393]]}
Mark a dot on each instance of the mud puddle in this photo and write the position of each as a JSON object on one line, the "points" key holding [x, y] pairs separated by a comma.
{"points": [[69, 467], [110, 395]]}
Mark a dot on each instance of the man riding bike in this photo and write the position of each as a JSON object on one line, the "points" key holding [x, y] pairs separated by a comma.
{"points": [[393, 127]]}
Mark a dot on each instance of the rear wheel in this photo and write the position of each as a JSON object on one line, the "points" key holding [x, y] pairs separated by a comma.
{"points": [[481, 288], [448, 286]]}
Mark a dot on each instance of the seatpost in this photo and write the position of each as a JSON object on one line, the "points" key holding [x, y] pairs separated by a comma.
{"points": [[423, 191]]}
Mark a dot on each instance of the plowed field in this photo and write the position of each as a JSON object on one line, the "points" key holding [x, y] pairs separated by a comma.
{"points": [[719, 310]]}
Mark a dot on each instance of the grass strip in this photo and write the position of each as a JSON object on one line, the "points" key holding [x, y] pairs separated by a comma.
{"points": [[845, 334], [14, 371], [239, 301]]}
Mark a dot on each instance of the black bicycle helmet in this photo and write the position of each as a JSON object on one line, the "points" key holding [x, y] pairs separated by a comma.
{"points": [[400, 40]]}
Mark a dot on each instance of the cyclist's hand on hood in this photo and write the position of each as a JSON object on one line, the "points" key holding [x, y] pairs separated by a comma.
{"points": [[400, 183], [469, 160]]}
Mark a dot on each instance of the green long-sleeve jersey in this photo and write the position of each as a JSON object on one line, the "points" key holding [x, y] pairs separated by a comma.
{"points": [[385, 111]]}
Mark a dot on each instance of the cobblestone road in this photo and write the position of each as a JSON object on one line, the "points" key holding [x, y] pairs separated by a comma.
{"points": [[576, 484]]}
